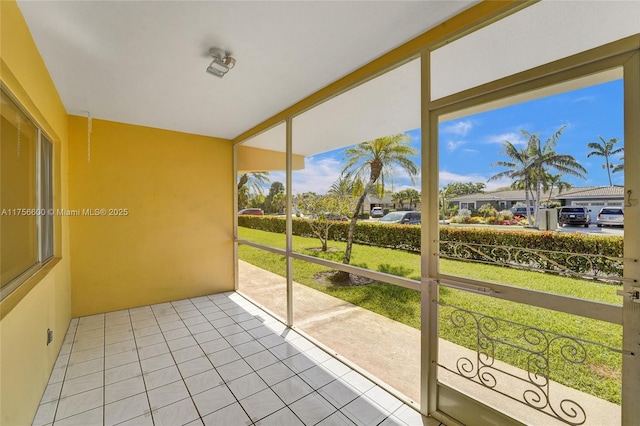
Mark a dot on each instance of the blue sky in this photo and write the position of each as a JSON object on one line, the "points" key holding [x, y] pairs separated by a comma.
{"points": [[469, 145]]}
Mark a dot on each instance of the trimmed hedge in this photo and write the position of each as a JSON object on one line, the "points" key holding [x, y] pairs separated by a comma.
{"points": [[550, 251]]}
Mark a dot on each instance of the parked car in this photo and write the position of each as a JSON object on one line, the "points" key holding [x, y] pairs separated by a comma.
{"points": [[377, 212], [574, 216], [333, 216], [522, 211], [252, 211], [406, 218], [613, 216]]}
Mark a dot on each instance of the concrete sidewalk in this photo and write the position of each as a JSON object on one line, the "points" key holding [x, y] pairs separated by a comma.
{"points": [[390, 351]]}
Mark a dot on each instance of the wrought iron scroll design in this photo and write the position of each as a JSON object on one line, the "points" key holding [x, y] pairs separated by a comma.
{"points": [[541, 348], [578, 265]]}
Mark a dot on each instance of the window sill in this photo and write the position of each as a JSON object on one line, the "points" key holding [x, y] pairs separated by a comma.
{"points": [[13, 299]]}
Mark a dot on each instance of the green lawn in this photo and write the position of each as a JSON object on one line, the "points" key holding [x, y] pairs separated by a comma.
{"points": [[599, 374]]}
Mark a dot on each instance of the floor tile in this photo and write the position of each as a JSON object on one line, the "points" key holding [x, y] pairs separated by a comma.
{"points": [[223, 357], [88, 418], [125, 409], [292, 389], [317, 376], [275, 373], [179, 413], [203, 381], [181, 343], [152, 339], [123, 389], [339, 393], [239, 338], [45, 413], [261, 404], [195, 366], [312, 408], [84, 368], [207, 336], [337, 419], [122, 373], [147, 331], [157, 363], [80, 403], [176, 334], [233, 370], [116, 348], [261, 360], [383, 399], [121, 358], [215, 345], [213, 399], [249, 348], [246, 385], [219, 357], [299, 363], [167, 395], [364, 412], [82, 384], [231, 415], [153, 350], [187, 354], [51, 392], [161, 377], [143, 420], [282, 417]]}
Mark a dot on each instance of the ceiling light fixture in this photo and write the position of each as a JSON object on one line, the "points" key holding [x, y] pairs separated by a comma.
{"points": [[222, 62]]}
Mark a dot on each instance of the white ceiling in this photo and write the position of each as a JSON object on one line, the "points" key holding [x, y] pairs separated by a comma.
{"points": [[143, 62]]}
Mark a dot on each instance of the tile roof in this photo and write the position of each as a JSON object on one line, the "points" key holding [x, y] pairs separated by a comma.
{"points": [[518, 195]]}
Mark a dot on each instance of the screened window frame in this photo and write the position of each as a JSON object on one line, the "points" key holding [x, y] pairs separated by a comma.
{"points": [[44, 191]]}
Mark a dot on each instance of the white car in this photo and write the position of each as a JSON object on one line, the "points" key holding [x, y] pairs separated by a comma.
{"points": [[377, 212], [613, 216]]}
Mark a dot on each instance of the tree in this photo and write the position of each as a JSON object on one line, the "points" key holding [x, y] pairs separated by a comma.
{"points": [[529, 166], [606, 150], [413, 196], [456, 189], [322, 209], [556, 181], [270, 205], [374, 162], [619, 167], [488, 210], [519, 168], [250, 182], [398, 198]]}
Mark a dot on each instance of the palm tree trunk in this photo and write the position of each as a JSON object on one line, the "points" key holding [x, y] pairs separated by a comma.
{"points": [[352, 224]]}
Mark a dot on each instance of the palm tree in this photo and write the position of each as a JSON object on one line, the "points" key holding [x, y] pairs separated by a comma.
{"points": [[253, 180], [605, 149], [399, 197], [520, 166], [619, 167], [373, 162], [529, 166], [556, 181], [545, 157]]}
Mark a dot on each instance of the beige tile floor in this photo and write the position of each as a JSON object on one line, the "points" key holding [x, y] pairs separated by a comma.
{"points": [[216, 360]]}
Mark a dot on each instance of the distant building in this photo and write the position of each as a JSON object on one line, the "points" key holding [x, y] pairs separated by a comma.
{"points": [[592, 197]]}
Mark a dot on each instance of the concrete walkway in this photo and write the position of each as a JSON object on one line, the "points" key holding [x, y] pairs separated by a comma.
{"points": [[390, 351]]}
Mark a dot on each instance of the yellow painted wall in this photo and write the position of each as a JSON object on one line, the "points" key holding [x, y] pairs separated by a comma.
{"points": [[44, 301], [252, 159], [176, 240]]}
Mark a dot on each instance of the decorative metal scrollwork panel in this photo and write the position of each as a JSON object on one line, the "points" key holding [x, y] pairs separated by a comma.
{"points": [[537, 353], [578, 265]]}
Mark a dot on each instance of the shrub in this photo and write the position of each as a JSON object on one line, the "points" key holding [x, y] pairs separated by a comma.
{"points": [[550, 251]]}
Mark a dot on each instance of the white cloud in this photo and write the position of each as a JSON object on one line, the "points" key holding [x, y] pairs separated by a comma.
{"points": [[453, 145], [514, 138], [317, 176], [460, 128], [448, 177]]}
